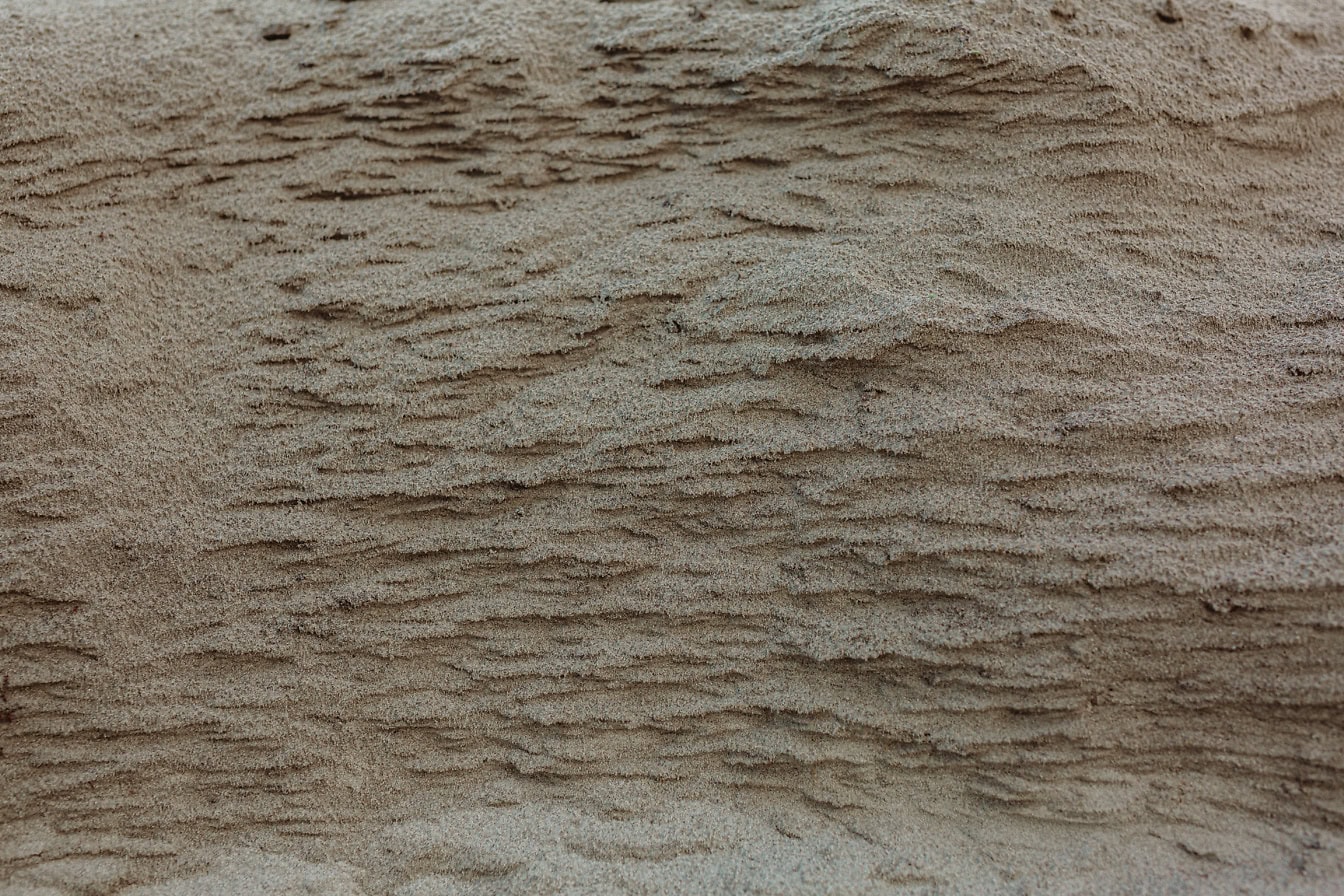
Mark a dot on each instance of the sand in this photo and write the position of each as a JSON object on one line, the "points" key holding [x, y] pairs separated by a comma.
{"points": [[671, 447]]}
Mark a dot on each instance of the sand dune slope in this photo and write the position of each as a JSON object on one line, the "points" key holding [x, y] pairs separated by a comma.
{"points": [[753, 447]]}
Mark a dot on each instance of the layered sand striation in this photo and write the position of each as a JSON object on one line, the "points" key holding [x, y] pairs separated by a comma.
{"points": [[671, 447]]}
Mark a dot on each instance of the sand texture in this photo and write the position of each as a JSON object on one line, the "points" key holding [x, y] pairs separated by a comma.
{"points": [[706, 446]]}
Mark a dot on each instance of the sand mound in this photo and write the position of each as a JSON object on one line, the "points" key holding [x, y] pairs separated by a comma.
{"points": [[715, 446]]}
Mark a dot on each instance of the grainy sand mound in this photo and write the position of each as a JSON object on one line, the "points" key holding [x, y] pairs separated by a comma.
{"points": [[698, 446]]}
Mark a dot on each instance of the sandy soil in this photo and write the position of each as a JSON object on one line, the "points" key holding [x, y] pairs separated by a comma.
{"points": [[699, 446]]}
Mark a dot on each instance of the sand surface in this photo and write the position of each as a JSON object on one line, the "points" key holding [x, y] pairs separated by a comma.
{"points": [[671, 447]]}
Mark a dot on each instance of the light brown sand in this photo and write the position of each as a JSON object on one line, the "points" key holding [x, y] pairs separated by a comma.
{"points": [[699, 446]]}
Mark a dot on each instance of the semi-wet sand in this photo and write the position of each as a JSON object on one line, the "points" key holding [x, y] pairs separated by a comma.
{"points": [[671, 447]]}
